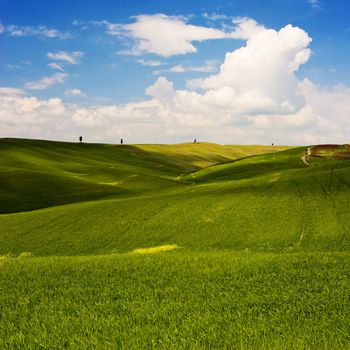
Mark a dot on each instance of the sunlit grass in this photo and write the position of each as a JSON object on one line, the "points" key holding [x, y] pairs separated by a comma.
{"points": [[25, 255], [220, 300], [152, 250]]}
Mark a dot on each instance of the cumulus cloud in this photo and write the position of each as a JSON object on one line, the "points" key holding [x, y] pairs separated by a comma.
{"points": [[40, 31], [261, 75], [74, 93], [245, 28], [331, 102], [162, 89], [66, 57], [11, 91], [255, 97], [172, 35], [171, 116], [23, 116], [24, 113], [45, 82]]}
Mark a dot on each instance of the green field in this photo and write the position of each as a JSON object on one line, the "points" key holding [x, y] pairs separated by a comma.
{"points": [[259, 242]]}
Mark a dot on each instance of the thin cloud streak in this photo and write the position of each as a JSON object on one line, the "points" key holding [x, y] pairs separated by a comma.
{"points": [[66, 57], [46, 82], [39, 31]]}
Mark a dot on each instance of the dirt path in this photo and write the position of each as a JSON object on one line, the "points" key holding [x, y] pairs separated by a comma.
{"points": [[305, 158]]}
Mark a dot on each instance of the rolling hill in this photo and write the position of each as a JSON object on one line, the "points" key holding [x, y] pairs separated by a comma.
{"points": [[122, 198], [184, 246], [37, 174]]}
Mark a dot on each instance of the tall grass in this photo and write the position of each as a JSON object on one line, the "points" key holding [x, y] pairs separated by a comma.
{"points": [[222, 300]]}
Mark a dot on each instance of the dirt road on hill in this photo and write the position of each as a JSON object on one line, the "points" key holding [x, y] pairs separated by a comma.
{"points": [[305, 158]]}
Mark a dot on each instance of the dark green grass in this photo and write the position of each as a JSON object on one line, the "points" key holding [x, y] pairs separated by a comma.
{"points": [[221, 300]]}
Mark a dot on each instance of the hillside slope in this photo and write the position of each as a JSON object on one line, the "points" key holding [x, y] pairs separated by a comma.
{"points": [[269, 202], [37, 174]]}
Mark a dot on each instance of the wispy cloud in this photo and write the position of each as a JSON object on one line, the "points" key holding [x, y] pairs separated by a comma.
{"points": [[315, 4], [45, 82], [40, 31], [82, 25], [19, 65], [76, 22], [2, 28], [57, 66], [66, 57], [74, 93], [150, 63], [215, 16], [208, 67]]}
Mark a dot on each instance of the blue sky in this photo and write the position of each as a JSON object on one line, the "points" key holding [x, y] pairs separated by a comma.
{"points": [[81, 56]]}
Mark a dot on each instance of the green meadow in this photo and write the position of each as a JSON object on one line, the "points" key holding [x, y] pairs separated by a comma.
{"points": [[188, 246]]}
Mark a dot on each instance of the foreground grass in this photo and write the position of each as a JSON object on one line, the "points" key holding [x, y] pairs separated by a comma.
{"points": [[221, 300]]}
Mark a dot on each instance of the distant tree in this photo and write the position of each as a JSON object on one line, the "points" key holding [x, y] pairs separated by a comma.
{"points": [[272, 144], [195, 141], [80, 139], [121, 141]]}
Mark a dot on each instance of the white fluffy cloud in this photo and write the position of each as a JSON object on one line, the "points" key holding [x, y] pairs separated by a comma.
{"points": [[23, 116], [178, 116], [172, 35], [259, 77], [45, 82], [163, 35], [163, 90], [245, 28], [254, 98], [66, 57], [11, 91]]}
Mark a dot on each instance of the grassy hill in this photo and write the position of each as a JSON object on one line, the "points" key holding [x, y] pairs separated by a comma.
{"points": [[264, 202], [37, 174], [259, 239]]}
